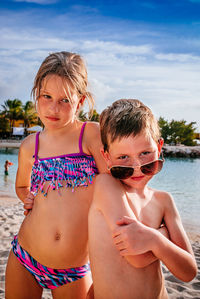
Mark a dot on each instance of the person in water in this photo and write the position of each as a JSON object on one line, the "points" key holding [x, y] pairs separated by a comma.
{"points": [[6, 167]]}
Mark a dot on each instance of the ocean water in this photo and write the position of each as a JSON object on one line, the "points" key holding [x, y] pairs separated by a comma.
{"points": [[179, 176]]}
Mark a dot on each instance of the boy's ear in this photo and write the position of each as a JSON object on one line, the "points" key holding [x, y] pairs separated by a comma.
{"points": [[160, 145], [105, 155]]}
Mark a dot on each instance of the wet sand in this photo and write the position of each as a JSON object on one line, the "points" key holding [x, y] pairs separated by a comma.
{"points": [[11, 216]]}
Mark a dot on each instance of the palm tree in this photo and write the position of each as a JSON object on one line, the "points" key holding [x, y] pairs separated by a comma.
{"points": [[12, 110], [29, 115]]}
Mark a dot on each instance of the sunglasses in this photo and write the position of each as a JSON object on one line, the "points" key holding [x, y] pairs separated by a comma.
{"points": [[124, 172]]}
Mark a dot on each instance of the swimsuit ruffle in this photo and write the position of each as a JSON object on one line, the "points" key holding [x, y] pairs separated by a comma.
{"points": [[62, 172]]}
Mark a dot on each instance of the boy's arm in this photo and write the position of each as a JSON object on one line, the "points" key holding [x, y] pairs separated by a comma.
{"points": [[110, 199], [175, 253], [140, 260], [22, 183]]}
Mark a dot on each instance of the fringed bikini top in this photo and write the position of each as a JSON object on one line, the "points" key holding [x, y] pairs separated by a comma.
{"points": [[77, 169]]}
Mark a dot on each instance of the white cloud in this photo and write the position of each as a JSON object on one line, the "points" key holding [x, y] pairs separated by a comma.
{"points": [[167, 82], [177, 57]]}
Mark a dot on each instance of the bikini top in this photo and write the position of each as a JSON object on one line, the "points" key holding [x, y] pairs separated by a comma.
{"points": [[76, 169]]}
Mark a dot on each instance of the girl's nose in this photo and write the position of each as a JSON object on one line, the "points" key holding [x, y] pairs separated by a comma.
{"points": [[54, 107]]}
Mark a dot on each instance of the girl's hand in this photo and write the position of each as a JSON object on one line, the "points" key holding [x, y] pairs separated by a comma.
{"points": [[28, 203], [132, 237]]}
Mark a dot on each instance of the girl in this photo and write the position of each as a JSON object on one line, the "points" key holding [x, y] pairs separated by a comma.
{"points": [[57, 167]]}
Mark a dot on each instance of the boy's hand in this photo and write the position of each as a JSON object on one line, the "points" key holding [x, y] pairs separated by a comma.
{"points": [[28, 203], [132, 237], [164, 231]]}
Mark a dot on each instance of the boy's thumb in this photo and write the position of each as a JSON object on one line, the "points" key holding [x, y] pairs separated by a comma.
{"points": [[125, 220]]}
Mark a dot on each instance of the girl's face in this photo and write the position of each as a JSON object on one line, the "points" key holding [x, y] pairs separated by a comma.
{"points": [[134, 151], [55, 108]]}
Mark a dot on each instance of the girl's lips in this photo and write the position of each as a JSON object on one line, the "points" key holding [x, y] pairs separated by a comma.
{"points": [[52, 118]]}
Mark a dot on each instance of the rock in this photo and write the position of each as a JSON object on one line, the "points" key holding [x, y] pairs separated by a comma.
{"points": [[181, 151]]}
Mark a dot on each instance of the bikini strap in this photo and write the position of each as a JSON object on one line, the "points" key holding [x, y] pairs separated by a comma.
{"points": [[81, 137], [36, 146]]}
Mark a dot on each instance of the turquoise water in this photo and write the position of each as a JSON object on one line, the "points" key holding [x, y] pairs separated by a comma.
{"points": [[7, 183], [180, 177]]}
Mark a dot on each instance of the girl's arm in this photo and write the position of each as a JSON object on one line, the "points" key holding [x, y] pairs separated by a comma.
{"points": [[94, 145], [25, 161], [110, 199]]}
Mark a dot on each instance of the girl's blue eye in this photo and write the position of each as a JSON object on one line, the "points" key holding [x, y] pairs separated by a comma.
{"points": [[65, 100], [46, 96]]}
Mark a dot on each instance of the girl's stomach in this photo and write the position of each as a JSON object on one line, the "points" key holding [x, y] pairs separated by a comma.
{"points": [[55, 232]]}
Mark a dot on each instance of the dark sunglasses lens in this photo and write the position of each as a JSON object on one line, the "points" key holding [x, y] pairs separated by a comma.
{"points": [[152, 168], [120, 172]]}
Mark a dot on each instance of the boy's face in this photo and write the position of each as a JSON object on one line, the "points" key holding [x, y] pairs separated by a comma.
{"points": [[134, 151]]}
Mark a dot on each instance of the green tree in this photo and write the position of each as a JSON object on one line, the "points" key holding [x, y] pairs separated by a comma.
{"points": [[83, 116], [29, 115], [95, 116], [4, 124], [12, 110], [164, 128], [178, 131]]}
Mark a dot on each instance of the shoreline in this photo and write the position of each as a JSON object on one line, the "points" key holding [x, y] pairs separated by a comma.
{"points": [[176, 151], [11, 217], [181, 151]]}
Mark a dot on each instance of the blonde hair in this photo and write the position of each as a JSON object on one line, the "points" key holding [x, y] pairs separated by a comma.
{"points": [[127, 117], [70, 67]]}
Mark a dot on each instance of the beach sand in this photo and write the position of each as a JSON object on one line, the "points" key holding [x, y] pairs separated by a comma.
{"points": [[11, 216]]}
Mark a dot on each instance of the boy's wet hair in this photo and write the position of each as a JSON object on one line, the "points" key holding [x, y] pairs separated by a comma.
{"points": [[127, 117], [71, 68]]}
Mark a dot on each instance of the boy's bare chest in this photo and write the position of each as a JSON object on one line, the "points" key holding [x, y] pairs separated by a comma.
{"points": [[149, 210]]}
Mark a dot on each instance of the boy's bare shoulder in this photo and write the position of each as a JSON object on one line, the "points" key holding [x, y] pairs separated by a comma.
{"points": [[106, 180], [163, 196], [106, 187]]}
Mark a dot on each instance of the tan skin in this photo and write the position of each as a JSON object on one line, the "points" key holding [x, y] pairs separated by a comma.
{"points": [[55, 230], [125, 242]]}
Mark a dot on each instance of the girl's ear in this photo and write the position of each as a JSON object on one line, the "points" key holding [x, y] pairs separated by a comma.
{"points": [[81, 101], [160, 145]]}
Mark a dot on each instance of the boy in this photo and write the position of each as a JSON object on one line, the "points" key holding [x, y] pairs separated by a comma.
{"points": [[132, 226]]}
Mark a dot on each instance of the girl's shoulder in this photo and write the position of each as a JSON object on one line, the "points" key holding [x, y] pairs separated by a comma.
{"points": [[28, 144], [92, 128], [91, 138]]}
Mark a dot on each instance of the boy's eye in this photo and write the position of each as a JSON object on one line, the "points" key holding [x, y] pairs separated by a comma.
{"points": [[145, 153], [123, 157]]}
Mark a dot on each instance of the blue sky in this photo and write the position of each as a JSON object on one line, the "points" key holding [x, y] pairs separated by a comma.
{"points": [[148, 50]]}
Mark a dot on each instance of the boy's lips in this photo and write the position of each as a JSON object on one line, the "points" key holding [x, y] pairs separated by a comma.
{"points": [[137, 178]]}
